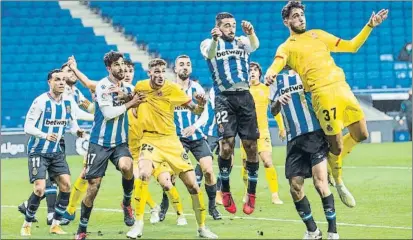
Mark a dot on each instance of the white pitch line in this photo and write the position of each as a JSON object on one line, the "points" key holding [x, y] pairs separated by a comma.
{"points": [[257, 218], [357, 167]]}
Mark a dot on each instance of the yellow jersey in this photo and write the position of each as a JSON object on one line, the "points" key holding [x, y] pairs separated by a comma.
{"points": [[156, 115], [260, 93], [134, 128], [309, 55]]}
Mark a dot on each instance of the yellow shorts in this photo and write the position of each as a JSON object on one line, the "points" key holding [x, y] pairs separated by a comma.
{"points": [[166, 153], [336, 107], [263, 145]]}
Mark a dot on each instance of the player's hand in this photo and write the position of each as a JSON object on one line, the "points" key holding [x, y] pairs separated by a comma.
{"points": [[80, 133], [201, 99], [216, 33], [401, 121], [284, 99], [188, 131], [72, 62], [135, 112], [137, 99], [52, 137], [270, 78], [377, 19], [282, 134], [121, 95], [247, 27]]}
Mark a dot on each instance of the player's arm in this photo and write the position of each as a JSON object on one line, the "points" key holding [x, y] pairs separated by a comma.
{"points": [[248, 29], [33, 115], [81, 115], [336, 44], [197, 108], [86, 104], [105, 101], [280, 60], [74, 126], [209, 48], [90, 84]]}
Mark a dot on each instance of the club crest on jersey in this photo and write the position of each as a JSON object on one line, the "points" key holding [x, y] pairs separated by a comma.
{"points": [[329, 128], [314, 35], [68, 109], [48, 110], [221, 128], [34, 171], [159, 93]]}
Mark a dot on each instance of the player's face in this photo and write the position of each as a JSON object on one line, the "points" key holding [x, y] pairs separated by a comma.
{"points": [[156, 74], [117, 69], [129, 74], [70, 77], [57, 82], [228, 28], [296, 21], [254, 74], [183, 68]]}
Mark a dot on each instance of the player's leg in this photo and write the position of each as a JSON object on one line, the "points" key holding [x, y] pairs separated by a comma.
{"points": [[214, 146], [227, 124], [271, 176], [321, 184], [244, 173], [248, 132], [164, 177], [122, 159], [97, 162], [37, 174], [203, 155], [198, 205], [297, 168], [51, 196]]}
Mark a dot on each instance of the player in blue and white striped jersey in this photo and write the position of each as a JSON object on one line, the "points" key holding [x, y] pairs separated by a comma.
{"points": [[108, 138], [228, 58], [189, 128], [46, 122], [307, 150]]}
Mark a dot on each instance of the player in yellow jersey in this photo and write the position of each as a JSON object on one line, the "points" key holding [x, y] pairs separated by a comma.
{"points": [[161, 152], [336, 107], [260, 92]]}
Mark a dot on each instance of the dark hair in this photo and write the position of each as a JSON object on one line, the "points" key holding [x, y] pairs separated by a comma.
{"points": [[128, 62], [181, 56], [256, 65], [156, 62], [111, 57], [50, 74], [63, 66], [222, 15], [286, 11]]}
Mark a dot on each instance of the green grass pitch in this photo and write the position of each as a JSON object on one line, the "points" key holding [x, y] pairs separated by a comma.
{"points": [[378, 175]]}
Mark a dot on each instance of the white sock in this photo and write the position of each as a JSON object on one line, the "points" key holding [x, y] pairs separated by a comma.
{"points": [[55, 222], [27, 223], [50, 216]]}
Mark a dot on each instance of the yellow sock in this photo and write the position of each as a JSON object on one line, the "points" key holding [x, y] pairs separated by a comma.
{"points": [[140, 193], [336, 163], [348, 144], [151, 203], [174, 198], [272, 179], [78, 190], [199, 208], [244, 175]]}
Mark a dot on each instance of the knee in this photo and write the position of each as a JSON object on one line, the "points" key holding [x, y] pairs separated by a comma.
{"points": [[94, 184], [321, 186], [64, 186], [209, 172], [193, 188], [296, 189], [268, 163], [145, 175], [336, 149], [39, 190], [125, 165], [166, 186], [226, 150], [362, 136]]}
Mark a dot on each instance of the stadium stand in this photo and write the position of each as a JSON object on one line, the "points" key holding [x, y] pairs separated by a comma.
{"points": [[39, 36]]}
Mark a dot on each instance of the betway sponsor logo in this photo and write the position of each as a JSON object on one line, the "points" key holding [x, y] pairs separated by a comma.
{"points": [[292, 89], [230, 53], [181, 108], [55, 123], [13, 149]]}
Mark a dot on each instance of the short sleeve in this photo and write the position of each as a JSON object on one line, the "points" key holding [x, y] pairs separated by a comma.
{"points": [[103, 96], [35, 110], [178, 96], [246, 42]]}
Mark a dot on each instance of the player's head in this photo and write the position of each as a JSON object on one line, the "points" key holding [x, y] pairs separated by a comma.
{"points": [[56, 81], [255, 72], [156, 72], [226, 23], [70, 76], [129, 71], [183, 67], [293, 16], [114, 62]]}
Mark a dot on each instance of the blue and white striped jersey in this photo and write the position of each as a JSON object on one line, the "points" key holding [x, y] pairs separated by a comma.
{"points": [[46, 116], [112, 132], [298, 115], [75, 93], [184, 118], [229, 69], [210, 127]]}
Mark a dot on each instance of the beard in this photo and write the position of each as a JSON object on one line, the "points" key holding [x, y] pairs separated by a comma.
{"points": [[183, 76], [228, 38], [119, 75], [296, 30]]}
